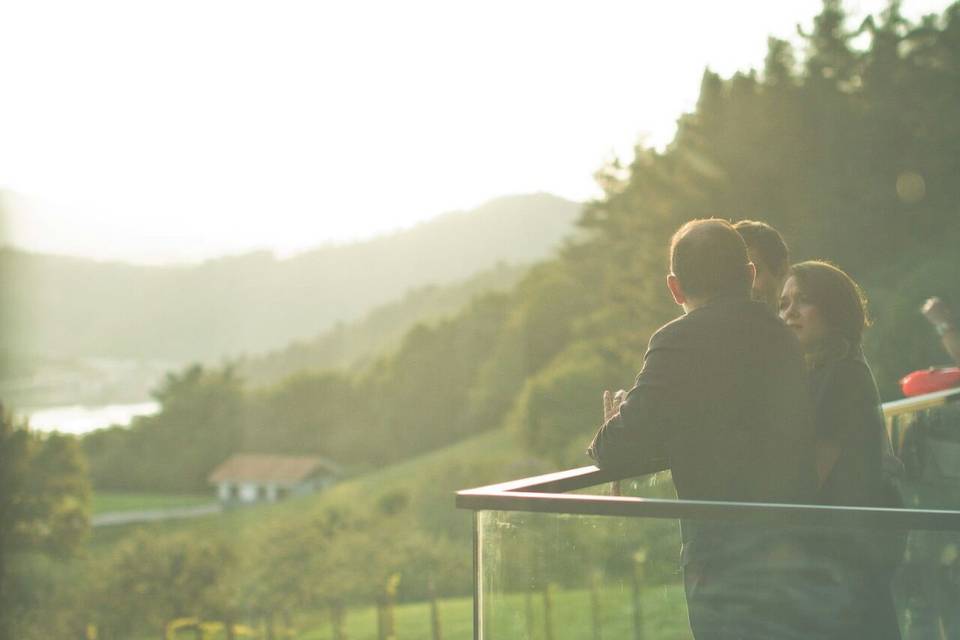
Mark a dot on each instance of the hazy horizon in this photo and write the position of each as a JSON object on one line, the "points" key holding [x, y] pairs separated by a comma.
{"points": [[374, 235], [293, 127]]}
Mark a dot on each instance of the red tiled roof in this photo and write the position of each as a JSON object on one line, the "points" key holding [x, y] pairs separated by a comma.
{"points": [[250, 467]]}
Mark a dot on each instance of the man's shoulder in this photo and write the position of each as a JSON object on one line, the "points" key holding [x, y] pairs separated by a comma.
{"points": [[735, 316], [676, 327]]}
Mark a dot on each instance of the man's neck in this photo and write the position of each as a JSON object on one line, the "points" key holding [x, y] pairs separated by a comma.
{"points": [[695, 303]]}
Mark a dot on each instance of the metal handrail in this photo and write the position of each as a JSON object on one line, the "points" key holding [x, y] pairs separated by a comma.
{"points": [[548, 494], [917, 403]]}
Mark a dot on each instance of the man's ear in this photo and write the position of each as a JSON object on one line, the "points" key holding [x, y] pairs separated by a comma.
{"points": [[752, 268], [676, 290]]}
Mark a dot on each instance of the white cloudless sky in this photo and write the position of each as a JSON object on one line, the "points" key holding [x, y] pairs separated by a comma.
{"points": [[157, 131]]}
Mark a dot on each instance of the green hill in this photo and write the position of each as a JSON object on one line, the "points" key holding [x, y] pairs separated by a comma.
{"points": [[60, 306], [354, 345]]}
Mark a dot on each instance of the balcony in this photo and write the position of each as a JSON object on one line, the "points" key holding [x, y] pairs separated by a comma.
{"points": [[586, 554]]}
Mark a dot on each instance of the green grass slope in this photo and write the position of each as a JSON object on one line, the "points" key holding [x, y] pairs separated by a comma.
{"points": [[427, 481]]}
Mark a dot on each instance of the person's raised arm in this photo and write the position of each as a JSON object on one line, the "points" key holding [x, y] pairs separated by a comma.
{"points": [[635, 434]]}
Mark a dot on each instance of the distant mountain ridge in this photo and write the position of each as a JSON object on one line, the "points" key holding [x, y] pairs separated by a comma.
{"points": [[354, 345], [254, 302]]}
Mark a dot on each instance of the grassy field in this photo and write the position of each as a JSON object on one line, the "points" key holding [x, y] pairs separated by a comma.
{"points": [[110, 501], [508, 616], [410, 621]]}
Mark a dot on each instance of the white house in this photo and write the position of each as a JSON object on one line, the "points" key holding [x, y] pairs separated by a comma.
{"points": [[251, 477]]}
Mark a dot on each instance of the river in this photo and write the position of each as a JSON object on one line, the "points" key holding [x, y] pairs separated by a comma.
{"points": [[79, 419]]}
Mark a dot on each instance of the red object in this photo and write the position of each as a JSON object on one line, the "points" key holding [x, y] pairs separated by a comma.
{"points": [[930, 380]]}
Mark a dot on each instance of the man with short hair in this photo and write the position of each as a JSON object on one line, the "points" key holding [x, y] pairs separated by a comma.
{"points": [[721, 401], [771, 257]]}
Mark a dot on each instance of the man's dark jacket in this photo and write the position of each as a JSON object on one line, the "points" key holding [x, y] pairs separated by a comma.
{"points": [[721, 401]]}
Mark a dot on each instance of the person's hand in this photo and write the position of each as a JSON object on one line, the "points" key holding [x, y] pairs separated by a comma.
{"points": [[612, 402], [936, 311], [611, 406]]}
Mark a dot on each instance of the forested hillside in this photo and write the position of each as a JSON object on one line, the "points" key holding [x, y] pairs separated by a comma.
{"points": [[59, 307], [852, 153]]}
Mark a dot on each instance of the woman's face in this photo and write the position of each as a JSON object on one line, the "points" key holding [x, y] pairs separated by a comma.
{"points": [[801, 315]]}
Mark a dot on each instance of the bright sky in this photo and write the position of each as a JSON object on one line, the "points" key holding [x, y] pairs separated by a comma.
{"points": [[169, 130]]}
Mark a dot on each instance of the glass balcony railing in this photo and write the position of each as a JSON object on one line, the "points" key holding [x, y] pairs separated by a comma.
{"points": [[565, 555]]}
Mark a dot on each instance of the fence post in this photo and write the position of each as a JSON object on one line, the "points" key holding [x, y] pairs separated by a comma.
{"points": [[434, 610], [528, 596], [381, 619], [639, 559], [595, 603], [336, 620], [547, 612], [270, 631], [389, 596], [228, 630]]}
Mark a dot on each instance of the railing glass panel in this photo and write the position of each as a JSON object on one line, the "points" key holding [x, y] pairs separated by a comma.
{"points": [[558, 576], [576, 555], [550, 577]]}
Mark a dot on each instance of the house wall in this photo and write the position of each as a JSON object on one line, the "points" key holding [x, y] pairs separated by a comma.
{"points": [[249, 492], [302, 489], [312, 485]]}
